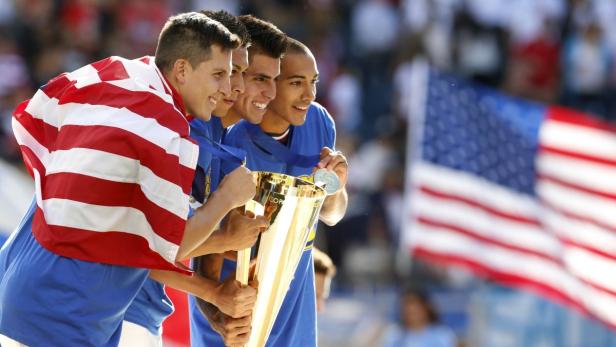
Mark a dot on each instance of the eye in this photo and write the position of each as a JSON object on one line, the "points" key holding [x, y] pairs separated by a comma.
{"points": [[296, 83]]}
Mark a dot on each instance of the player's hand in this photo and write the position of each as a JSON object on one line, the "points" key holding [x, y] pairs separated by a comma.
{"points": [[334, 161], [240, 231], [233, 299], [239, 186], [234, 331]]}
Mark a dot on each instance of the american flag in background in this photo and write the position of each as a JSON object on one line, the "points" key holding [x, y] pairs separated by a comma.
{"points": [[516, 192]]}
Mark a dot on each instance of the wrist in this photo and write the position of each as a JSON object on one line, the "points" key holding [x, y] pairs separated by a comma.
{"points": [[221, 199]]}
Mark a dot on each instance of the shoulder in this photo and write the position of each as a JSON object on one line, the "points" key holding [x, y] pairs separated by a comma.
{"points": [[317, 112], [236, 132]]}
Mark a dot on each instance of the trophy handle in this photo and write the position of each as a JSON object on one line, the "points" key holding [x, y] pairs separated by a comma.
{"points": [[243, 256]]}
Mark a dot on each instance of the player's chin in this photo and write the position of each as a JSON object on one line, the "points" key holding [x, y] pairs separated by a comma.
{"points": [[297, 117]]}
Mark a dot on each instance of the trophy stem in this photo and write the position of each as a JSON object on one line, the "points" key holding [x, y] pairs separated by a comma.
{"points": [[243, 256]]}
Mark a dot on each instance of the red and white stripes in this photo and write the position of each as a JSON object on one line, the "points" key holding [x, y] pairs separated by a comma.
{"points": [[113, 163]]}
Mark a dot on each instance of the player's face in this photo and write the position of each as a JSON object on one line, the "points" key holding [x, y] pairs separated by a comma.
{"points": [[260, 88], [239, 64], [206, 84], [296, 87]]}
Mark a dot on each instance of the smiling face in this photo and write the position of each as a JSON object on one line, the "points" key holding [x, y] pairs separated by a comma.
{"points": [[260, 88], [295, 89], [203, 86], [239, 64]]}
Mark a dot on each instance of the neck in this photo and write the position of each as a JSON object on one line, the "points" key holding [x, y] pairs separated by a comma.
{"points": [[230, 118], [273, 124]]}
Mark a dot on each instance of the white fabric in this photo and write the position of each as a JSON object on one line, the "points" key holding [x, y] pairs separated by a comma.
{"points": [[7, 342], [134, 335]]}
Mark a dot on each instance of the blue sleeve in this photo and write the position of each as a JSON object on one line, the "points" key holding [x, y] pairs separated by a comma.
{"points": [[330, 128]]}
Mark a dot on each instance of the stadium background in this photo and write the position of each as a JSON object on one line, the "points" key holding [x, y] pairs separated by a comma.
{"points": [[526, 48]]}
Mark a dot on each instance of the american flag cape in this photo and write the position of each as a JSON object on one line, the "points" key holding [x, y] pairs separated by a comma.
{"points": [[108, 147], [517, 192]]}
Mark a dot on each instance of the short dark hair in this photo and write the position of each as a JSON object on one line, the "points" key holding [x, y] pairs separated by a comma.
{"points": [[190, 36], [323, 264], [232, 23], [266, 37], [295, 46]]}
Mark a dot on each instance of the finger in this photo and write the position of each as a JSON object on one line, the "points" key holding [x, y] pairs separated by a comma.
{"points": [[337, 160], [324, 161], [325, 151], [259, 222]]}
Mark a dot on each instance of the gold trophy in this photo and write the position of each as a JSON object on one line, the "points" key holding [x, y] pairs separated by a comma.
{"points": [[292, 206]]}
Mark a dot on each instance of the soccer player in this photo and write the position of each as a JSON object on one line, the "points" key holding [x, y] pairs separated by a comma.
{"points": [[143, 319], [109, 148], [297, 124], [268, 44]]}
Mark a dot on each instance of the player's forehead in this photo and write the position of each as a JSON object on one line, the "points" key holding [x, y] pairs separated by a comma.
{"points": [[298, 65], [261, 64]]}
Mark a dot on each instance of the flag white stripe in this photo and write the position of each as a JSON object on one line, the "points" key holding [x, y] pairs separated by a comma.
{"points": [[95, 218], [578, 202], [24, 138], [581, 232], [512, 262], [84, 76], [117, 168], [482, 223], [467, 185], [586, 174], [580, 262], [47, 109], [576, 138]]}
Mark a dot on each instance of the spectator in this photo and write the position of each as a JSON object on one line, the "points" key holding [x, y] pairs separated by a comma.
{"points": [[420, 325], [324, 272]]}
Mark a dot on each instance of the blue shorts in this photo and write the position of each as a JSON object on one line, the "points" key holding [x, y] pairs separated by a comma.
{"points": [[50, 300]]}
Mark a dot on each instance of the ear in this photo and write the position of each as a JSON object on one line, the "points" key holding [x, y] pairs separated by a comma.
{"points": [[181, 70]]}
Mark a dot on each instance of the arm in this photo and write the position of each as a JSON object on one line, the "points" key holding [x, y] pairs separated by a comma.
{"points": [[238, 231], [335, 205], [235, 190], [229, 297]]}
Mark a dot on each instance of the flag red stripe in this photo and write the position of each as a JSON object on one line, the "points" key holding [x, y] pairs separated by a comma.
{"points": [[489, 242], [575, 187], [109, 193], [566, 115], [31, 161], [124, 143], [576, 155], [579, 217], [484, 207], [145, 104], [100, 246]]}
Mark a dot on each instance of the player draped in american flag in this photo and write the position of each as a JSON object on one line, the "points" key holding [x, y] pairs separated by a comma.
{"points": [[108, 146]]}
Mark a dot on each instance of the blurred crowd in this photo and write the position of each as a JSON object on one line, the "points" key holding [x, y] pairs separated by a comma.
{"points": [[552, 51]]}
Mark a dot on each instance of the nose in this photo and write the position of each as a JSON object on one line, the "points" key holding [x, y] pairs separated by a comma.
{"points": [[238, 84], [270, 91], [310, 93], [225, 87]]}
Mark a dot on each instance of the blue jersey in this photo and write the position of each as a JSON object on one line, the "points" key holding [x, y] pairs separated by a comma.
{"points": [[296, 322], [152, 305], [50, 300]]}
